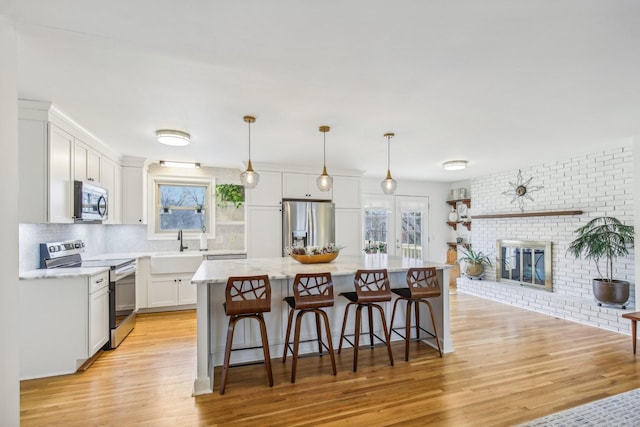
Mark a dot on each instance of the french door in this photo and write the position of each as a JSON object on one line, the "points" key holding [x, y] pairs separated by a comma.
{"points": [[396, 225], [411, 226]]}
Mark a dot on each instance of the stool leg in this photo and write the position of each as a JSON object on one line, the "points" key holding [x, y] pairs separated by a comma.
{"points": [[633, 334], [370, 314], [356, 339], [344, 325], [319, 333], [407, 329], [288, 334], [386, 332], [417, 309], [329, 343], [227, 352], [265, 347], [393, 313], [296, 345]]}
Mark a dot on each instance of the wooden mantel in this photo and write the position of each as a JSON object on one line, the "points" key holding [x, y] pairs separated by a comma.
{"points": [[527, 214]]}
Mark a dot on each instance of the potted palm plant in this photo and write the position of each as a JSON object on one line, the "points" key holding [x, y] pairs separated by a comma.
{"points": [[605, 238], [475, 261]]}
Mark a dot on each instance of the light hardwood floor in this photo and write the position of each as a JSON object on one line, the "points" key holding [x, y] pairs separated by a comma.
{"points": [[509, 366]]}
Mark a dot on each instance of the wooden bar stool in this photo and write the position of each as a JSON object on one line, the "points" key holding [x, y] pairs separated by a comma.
{"points": [[423, 284], [247, 297], [372, 288], [311, 293]]}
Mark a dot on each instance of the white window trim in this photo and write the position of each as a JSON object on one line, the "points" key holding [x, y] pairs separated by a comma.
{"points": [[151, 207]]}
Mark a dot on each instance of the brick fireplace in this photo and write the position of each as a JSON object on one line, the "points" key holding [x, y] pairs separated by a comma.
{"points": [[596, 184]]}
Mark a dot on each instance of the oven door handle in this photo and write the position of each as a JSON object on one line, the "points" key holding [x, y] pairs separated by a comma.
{"points": [[121, 274]]}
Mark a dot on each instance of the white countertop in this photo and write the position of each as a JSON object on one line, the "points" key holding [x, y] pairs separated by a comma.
{"points": [[285, 267], [62, 273]]}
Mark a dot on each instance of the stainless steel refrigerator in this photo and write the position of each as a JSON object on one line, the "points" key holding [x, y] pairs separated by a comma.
{"points": [[307, 224]]}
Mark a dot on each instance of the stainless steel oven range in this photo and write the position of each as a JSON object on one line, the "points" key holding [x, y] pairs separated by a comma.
{"points": [[122, 283]]}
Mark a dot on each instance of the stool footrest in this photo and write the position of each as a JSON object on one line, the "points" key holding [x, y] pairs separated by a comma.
{"points": [[417, 338], [370, 345]]}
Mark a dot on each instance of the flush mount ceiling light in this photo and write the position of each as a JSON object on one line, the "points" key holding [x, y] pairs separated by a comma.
{"points": [[175, 138], [170, 164], [324, 181], [389, 184], [249, 178], [454, 165]]}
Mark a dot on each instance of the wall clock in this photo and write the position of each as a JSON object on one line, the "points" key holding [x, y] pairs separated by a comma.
{"points": [[521, 190]]}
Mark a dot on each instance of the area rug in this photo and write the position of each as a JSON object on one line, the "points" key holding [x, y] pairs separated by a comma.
{"points": [[621, 410]]}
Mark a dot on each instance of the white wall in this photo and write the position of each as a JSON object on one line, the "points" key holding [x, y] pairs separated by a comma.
{"points": [[9, 299]]}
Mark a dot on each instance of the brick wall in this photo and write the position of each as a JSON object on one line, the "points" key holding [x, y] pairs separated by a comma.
{"points": [[598, 184]]}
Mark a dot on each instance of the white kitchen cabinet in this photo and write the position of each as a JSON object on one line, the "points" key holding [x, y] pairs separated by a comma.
{"points": [[86, 163], [48, 164], [268, 192], [348, 229], [302, 186], [134, 191], [168, 290], [110, 178], [264, 231], [98, 312], [60, 182], [346, 192], [62, 323]]}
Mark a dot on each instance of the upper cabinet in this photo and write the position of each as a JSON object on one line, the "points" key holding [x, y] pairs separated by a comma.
{"points": [[134, 191], [86, 163], [53, 152], [346, 192], [268, 192], [302, 186]]}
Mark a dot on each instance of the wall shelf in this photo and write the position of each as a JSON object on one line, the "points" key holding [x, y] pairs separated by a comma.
{"points": [[454, 224], [454, 203], [454, 245], [527, 214]]}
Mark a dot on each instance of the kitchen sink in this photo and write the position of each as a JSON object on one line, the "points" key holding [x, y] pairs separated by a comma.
{"points": [[175, 262]]}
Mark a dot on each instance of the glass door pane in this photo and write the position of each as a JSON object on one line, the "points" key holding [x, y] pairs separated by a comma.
{"points": [[411, 232]]}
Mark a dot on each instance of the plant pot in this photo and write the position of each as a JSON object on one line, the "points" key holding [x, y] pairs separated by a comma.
{"points": [[474, 269], [615, 292]]}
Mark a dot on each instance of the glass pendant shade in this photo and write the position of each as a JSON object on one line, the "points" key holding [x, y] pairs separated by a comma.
{"points": [[324, 181], [249, 178], [389, 184]]}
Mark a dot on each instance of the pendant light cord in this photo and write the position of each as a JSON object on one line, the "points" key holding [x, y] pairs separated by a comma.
{"points": [[324, 150], [249, 123], [388, 153]]}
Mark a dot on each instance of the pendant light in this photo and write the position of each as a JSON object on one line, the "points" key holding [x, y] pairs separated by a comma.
{"points": [[389, 184], [324, 181], [249, 178]]}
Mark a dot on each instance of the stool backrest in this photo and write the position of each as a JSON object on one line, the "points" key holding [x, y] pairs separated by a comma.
{"points": [[312, 290], [372, 285], [423, 282], [248, 294]]}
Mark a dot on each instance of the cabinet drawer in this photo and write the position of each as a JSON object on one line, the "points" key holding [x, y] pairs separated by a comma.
{"points": [[98, 281]]}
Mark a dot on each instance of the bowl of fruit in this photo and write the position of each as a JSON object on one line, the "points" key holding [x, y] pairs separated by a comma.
{"points": [[315, 254]]}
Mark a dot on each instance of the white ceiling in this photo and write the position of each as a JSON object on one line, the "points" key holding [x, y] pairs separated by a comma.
{"points": [[503, 84]]}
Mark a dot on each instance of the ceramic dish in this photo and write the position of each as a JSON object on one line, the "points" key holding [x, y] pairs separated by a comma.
{"points": [[315, 259]]}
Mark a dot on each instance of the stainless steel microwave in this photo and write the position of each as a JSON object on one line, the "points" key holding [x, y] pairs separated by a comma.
{"points": [[90, 202]]}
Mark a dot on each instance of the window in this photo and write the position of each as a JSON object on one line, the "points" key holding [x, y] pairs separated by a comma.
{"points": [[375, 230], [182, 204]]}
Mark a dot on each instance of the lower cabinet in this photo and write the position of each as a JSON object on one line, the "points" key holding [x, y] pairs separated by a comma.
{"points": [[62, 323], [167, 290]]}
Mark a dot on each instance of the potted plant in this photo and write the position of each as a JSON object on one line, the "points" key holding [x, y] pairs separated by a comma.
{"points": [[605, 238], [475, 262], [230, 193]]}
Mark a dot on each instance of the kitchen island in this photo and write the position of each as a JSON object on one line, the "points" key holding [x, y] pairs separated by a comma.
{"points": [[211, 278]]}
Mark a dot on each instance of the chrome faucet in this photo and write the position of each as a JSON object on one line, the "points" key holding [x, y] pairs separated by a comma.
{"points": [[182, 246]]}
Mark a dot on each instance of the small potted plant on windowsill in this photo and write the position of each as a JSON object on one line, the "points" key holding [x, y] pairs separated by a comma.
{"points": [[605, 238], [475, 261]]}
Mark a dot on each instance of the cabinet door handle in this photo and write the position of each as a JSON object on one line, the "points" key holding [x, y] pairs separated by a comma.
{"points": [[100, 280]]}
